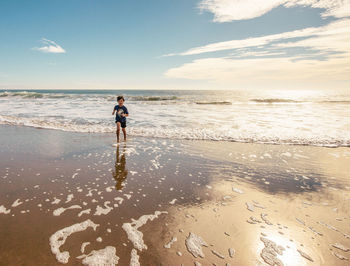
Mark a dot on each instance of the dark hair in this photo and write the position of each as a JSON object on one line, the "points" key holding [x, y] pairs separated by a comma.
{"points": [[120, 98]]}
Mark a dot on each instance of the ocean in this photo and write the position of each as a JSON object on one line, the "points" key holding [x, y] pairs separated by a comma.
{"points": [[304, 117]]}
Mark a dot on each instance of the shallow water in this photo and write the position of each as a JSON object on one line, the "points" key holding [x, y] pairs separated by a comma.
{"points": [[266, 116], [231, 195]]}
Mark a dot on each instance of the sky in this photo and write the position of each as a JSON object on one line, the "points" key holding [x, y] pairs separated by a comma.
{"points": [[175, 44]]}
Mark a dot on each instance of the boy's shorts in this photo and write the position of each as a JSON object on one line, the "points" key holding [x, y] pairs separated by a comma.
{"points": [[122, 124]]}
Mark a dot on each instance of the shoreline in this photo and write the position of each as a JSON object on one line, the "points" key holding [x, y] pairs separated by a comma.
{"points": [[291, 195], [180, 139]]}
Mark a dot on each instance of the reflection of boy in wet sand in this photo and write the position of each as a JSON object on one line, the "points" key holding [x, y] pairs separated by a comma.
{"points": [[120, 173]]}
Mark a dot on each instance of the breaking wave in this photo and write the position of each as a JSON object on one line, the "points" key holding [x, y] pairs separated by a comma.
{"points": [[197, 115], [223, 102], [110, 97], [276, 100], [84, 126], [154, 98]]}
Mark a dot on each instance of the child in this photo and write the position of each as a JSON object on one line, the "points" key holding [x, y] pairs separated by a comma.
{"points": [[120, 118]]}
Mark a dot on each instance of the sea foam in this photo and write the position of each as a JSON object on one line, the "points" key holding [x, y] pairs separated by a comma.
{"points": [[102, 257], [60, 237], [136, 236]]}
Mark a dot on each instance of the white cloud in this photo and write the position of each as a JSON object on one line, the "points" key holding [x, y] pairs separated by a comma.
{"points": [[266, 72], [331, 40], [229, 10], [334, 37], [50, 47], [339, 30], [314, 56], [333, 8], [264, 53], [250, 42]]}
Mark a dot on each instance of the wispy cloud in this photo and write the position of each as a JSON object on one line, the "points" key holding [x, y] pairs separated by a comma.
{"points": [[267, 72], [229, 10], [50, 47], [249, 42], [332, 37], [297, 69], [317, 56]]}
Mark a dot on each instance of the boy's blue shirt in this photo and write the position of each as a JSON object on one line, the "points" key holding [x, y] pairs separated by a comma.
{"points": [[120, 110]]}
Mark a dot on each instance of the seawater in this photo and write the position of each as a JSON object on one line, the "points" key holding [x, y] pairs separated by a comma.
{"points": [[306, 117]]}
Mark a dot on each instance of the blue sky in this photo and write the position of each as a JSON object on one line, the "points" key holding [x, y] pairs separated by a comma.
{"points": [[174, 44]]}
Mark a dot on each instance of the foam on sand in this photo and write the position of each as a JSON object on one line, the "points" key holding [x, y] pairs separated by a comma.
{"points": [[100, 210], [194, 245], [231, 252], [106, 256], [89, 194], [60, 237], [250, 206], [300, 221], [16, 203], [218, 254], [270, 251], [83, 246], [69, 198], [341, 247], [237, 190], [334, 229], [306, 256], [173, 240], [264, 218], [109, 189], [134, 260], [136, 236], [61, 210], [128, 196], [339, 256], [119, 200], [87, 211], [4, 210], [56, 201], [173, 201]]}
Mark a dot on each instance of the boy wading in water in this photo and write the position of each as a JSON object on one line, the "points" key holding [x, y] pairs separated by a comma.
{"points": [[120, 117]]}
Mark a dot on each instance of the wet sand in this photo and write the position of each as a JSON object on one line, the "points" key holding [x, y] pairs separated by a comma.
{"points": [[170, 202]]}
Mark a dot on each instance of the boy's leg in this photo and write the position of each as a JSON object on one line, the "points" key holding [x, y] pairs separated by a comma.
{"points": [[124, 132], [118, 130], [123, 125]]}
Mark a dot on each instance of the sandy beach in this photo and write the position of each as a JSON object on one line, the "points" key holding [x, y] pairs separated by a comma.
{"points": [[234, 122], [74, 198]]}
